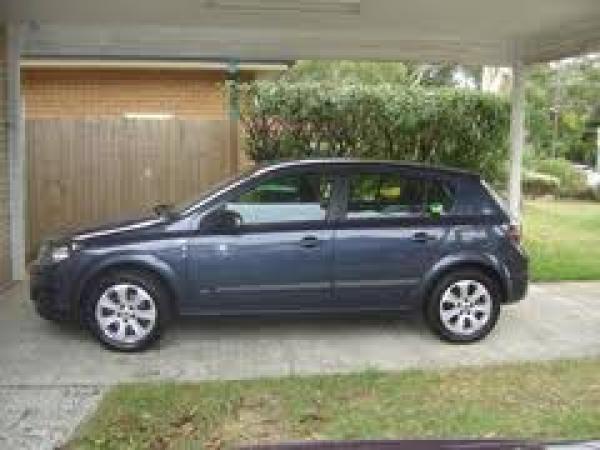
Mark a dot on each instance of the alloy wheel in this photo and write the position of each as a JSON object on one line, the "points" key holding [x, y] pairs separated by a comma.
{"points": [[465, 307], [126, 313]]}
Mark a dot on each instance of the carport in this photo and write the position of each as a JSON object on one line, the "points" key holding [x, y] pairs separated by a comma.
{"points": [[512, 33]]}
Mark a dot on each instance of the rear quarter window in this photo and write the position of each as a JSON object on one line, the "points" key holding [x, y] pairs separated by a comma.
{"points": [[476, 198]]}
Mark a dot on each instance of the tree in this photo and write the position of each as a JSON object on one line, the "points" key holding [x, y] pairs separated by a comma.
{"points": [[562, 98], [373, 73], [448, 126]]}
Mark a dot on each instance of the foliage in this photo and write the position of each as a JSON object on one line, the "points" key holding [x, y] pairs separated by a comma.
{"points": [[563, 108], [370, 72], [453, 127], [572, 182], [353, 72], [563, 105], [538, 184]]}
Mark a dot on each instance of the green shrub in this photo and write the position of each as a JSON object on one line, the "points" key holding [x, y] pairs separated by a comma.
{"points": [[452, 127], [538, 184], [588, 193], [572, 181]]}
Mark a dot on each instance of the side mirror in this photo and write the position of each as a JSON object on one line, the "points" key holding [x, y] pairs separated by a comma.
{"points": [[221, 220]]}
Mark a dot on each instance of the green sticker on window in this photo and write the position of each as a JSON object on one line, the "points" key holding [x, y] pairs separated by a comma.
{"points": [[436, 209]]}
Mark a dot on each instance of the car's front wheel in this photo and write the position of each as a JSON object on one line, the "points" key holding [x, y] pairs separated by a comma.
{"points": [[464, 306], [126, 310]]}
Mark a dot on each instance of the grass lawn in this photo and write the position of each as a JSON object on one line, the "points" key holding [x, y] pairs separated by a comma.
{"points": [[557, 400], [563, 239]]}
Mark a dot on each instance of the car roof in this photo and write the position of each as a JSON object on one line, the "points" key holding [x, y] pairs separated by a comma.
{"points": [[354, 162]]}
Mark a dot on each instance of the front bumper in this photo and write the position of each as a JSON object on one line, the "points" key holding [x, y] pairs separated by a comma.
{"points": [[47, 290]]}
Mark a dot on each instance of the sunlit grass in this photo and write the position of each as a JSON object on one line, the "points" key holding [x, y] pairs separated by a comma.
{"points": [[563, 239], [557, 400]]}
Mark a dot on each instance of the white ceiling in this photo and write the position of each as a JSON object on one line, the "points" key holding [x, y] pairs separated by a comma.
{"points": [[469, 31]]}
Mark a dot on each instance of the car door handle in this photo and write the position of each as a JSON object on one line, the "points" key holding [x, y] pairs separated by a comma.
{"points": [[422, 236], [309, 241]]}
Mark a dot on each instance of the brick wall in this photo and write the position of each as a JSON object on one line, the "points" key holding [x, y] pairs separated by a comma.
{"points": [[5, 268], [114, 92]]}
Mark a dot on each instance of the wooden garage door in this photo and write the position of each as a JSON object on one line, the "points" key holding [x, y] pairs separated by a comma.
{"points": [[85, 171]]}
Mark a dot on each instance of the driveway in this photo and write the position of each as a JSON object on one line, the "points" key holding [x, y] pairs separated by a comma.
{"points": [[52, 375]]}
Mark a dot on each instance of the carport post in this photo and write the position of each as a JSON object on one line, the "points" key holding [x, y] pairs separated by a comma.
{"points": [[598, 149], [16, 152], [517, 139], [234, 116]]}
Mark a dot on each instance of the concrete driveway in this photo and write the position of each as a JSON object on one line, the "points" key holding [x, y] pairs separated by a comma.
{"points": [[53, 375]]}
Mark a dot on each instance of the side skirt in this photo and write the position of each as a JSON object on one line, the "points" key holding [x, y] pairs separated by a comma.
{"points": [[406, 310]]}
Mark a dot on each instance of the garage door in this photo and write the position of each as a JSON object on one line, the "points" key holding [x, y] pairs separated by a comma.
{"points": [[85, 171]]}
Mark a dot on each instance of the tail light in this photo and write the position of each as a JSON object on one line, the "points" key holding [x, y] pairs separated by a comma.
{"points": [[514, 232]]}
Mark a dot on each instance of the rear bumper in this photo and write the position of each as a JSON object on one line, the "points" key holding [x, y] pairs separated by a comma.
{"points": [[518, 290], [518, 271], [47, 291]]}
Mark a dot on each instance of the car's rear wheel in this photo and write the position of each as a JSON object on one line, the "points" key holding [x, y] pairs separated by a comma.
{"points": [[464, 306], [126, 310]]}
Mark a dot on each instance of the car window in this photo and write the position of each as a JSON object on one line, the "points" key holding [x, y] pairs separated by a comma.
{"points": [[395, 195], [439, 193], [290, 198]]}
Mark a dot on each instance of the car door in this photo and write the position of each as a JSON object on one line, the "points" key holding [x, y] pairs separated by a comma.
{"points": [[280, 256], [386, 238]]}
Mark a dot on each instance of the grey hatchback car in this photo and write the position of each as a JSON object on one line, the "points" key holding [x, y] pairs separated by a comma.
{"points": [[317, 236]]}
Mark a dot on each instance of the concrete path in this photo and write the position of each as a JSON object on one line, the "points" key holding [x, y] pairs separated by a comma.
{"points": [[42, 417], [48, 370]]}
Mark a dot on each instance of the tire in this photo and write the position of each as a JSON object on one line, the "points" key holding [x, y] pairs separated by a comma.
{"points": [[464, 306], [126, 310]]}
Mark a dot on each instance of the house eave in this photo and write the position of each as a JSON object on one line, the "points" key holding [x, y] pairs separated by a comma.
{"points": [[151, 64]]}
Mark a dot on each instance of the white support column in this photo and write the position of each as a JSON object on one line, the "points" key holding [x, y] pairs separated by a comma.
{"points": [[598, 149], [517, 139], [16, 152]]}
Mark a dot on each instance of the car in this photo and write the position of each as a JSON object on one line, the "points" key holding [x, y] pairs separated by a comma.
{"points": [[326, 236]]}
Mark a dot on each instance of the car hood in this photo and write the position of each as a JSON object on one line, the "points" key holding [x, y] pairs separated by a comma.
{"points": [[115, 227]]}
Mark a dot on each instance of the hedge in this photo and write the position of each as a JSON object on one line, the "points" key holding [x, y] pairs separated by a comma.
{"points": [[539, 184], [572, 181], [444, 126]]}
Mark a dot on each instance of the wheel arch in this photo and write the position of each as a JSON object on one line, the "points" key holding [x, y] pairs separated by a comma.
{"points": [[151, 266], [487, 264]]}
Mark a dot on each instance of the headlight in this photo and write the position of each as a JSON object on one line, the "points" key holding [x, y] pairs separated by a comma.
{"points": [[55, 252], [60, 253]]}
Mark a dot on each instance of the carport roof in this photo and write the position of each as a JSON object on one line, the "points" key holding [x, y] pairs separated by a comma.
{"points": [[468, 31]]}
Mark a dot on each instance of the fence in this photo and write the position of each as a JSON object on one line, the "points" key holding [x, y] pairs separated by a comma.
{"points": [[85, 171]]}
